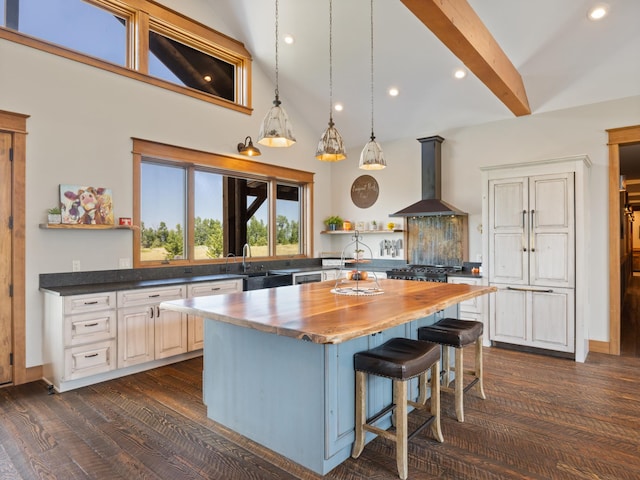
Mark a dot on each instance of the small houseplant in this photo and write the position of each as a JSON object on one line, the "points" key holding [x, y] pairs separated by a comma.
{"points": [[333, 221], [54, 215]]}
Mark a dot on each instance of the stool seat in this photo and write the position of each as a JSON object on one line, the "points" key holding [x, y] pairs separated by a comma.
{"points": [[452, 331], [400, 358]]}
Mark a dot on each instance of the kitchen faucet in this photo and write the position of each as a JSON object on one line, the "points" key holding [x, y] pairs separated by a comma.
{"points": [[246, 249]]}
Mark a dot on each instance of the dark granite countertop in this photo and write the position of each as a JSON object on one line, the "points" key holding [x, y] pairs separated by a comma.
{"points": [[131, 285]]}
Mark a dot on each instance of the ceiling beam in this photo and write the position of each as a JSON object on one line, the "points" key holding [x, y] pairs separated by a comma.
{"points": [[458, 26]]}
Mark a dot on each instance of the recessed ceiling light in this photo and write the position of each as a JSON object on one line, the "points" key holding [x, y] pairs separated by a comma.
{"points": [[288, 39], [598, 12], [460, 73], [207, 78], [338, 107], [393, 91]]}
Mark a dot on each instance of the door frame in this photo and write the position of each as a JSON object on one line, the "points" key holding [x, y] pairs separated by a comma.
{"points": [[617, 137], [16, 125]]}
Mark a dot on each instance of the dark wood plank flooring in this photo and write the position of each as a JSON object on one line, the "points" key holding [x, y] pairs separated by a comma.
{"points": [[544, 418], [630, 319]]}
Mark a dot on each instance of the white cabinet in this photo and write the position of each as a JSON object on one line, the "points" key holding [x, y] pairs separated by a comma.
{"points": [[195, 327], [330, 274], [79, 337], [535, 218], [541, 318], [146, 332], [531, 225], [475, 308]]}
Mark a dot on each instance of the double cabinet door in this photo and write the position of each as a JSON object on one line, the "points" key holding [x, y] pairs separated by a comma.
{"points": [[532, 230], [145, 331]]}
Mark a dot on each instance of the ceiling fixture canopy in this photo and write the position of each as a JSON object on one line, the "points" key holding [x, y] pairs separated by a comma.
{"points": [[372, 157], [331, 146], [248, 149], [276, 130]]}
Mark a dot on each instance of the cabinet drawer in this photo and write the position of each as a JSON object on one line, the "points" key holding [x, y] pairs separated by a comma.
{"points": [[214, 288], [149, 296], [90, 327], [89, 303], [90, 359]]}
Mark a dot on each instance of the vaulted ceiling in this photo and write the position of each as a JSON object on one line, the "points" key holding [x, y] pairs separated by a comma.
{"points": [[560, 57]]}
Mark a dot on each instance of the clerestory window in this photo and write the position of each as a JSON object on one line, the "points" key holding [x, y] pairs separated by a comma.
{"points": [[136, 38], [196, 207]]}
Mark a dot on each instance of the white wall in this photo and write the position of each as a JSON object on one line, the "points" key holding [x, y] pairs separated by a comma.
{"points": [[82, 120], [79, 132], [537, 137]]}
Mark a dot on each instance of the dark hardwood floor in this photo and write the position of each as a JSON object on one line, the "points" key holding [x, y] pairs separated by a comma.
{"points": [[544, 418], [630, 319]]}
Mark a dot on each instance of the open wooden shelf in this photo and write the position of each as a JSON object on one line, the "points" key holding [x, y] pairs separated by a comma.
{"points": [[361, 232], [64, 226]]}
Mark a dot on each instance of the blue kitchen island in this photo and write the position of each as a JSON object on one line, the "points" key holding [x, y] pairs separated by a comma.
{"points": [[278, 363]]}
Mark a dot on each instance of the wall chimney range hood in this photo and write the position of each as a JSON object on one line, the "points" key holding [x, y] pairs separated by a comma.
{"points": [[431, 204]]}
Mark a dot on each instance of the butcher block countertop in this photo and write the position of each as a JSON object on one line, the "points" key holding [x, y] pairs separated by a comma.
{"points": [[313, 313]]}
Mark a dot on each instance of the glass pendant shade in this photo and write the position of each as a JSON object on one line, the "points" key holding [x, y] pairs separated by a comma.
{"points": [[276, 130], [331, 147], [372, 157]]}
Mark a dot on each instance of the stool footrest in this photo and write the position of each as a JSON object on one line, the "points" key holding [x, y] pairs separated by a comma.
{"points": [[426, 423], [471, 384], [380, 414]]}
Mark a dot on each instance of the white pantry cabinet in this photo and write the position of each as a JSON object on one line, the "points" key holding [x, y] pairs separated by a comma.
{"points": [[195, 324], [535, 218], [475, 308]]}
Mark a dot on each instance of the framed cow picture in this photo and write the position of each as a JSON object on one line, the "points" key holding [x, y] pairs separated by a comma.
{"points": [[86, 205]]}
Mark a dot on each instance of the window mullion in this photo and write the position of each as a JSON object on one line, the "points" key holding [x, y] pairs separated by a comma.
{"points": [[191, 217], [139, 43], [273, 195]]}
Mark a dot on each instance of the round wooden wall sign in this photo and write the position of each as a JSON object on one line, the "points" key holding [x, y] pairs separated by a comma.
{"points": [[364, 191]]}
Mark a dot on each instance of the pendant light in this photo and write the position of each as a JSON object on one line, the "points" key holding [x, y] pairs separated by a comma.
{"points": [[331, 146], [276, 130], [372, 157]]}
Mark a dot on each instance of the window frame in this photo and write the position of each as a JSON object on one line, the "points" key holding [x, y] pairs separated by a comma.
{"points": [[194, 159], [142, 15]]}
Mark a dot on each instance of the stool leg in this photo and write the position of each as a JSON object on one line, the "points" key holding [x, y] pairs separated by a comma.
{"points": [[400, 400], [445, 365], [459, 386], [435, 401], [361, 414], [422, 387], [479, 368]]}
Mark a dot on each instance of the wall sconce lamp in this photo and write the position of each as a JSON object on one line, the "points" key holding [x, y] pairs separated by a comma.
{"points": [[248, 149]]}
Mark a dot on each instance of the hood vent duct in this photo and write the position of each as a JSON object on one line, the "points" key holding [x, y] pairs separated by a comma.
{"points": [[431, 204]]}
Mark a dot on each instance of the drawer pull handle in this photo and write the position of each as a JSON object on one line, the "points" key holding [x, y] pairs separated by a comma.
{"points": [[91, 303], [154, 296], [92, 355], [91, 324], [214, 289], [530, 290]]}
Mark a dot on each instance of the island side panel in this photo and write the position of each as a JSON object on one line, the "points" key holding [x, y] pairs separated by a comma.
{"points": [[268, 388]]}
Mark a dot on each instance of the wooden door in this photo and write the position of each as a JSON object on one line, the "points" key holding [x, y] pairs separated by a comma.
{"points": [[552, 221], [6, 270], [508, 231]]}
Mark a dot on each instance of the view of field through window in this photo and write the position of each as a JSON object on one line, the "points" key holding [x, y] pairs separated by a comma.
{"points": [[164, 214]]}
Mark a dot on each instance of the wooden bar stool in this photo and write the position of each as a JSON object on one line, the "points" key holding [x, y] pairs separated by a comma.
{"points": [[451, 332], [400, 359]]}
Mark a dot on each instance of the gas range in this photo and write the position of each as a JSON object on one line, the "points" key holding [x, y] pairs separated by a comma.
{"points": [[423, 273]]}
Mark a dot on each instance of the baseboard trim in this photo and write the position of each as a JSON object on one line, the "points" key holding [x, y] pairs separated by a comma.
{"points": [[598, 346]]}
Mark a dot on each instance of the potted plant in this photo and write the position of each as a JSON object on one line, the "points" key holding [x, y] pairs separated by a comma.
{"points": [[54, 215], [333, 221], [374, 225]]}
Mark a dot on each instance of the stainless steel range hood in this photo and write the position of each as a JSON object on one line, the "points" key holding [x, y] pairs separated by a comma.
{"points": [[431, 204]]}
